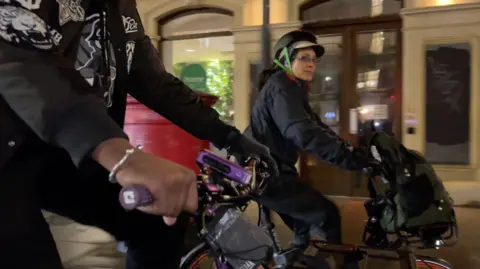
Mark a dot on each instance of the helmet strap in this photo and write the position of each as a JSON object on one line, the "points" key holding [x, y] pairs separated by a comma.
{"points": [[287, 67]]}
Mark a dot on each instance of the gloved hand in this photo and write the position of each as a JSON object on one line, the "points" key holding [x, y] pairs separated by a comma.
{"points": [[365, 163], [244, 146], [373, 167]]}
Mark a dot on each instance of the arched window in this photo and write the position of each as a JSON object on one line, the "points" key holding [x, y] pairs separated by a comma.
{"points": [[197, 47], [321, 10], [207, 22]]}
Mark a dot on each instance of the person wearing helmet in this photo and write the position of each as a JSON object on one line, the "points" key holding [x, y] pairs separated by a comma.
{"points": [[283, 120]]}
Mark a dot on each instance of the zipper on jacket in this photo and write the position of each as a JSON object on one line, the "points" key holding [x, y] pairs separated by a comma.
{"points": [[105, 81]]}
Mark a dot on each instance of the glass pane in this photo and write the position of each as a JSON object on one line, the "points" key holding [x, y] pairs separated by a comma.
{"points": [[195, 23], [376, 70], [215, 56], [255, 70], [325, 89], [350, 9], [205, 64], [324, 98], [200, 49], [448, 103], [376, 77]]}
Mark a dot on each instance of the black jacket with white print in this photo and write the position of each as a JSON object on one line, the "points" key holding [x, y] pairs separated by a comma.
{"points": [[64, 62]]}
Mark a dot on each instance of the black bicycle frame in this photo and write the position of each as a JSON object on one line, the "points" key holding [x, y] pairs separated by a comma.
{"points": [[283, 257]]}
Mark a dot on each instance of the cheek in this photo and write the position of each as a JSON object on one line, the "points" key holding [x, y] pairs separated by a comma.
{"points": [[299, 67], [296, 68]]}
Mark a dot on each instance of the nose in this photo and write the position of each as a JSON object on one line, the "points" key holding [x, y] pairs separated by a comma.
{"points": [[310, 62]]}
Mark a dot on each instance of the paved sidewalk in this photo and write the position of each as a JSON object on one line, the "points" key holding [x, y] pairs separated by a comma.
{"points": [[84, 247]]}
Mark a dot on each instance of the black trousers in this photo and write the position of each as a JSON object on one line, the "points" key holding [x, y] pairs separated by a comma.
{"points": [[39, 177], [303, 208]]}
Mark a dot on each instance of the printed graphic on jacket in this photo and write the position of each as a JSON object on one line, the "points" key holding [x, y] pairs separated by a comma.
{"points": [[23, 27], [89, 56], [131, 26], [70, 10]]}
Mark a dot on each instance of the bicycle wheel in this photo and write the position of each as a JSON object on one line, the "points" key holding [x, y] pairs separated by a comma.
{"points": [[425, 262], [198, 258]]}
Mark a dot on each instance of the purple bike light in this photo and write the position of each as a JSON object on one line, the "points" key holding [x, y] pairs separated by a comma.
{"points": [[226, 168]]}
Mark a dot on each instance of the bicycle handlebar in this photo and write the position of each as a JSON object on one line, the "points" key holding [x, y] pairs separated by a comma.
{"points": [[134, 196]]}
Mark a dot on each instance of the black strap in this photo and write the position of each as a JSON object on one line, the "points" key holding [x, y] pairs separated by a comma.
{"points": [[118, 38]]}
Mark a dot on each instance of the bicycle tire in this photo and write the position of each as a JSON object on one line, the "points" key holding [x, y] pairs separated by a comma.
{"points": [[194, 257], [425, 262], [198, 255]]}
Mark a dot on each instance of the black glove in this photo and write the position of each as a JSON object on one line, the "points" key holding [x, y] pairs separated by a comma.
{"points": [[244, 146], [373, 167], [365, 163]]}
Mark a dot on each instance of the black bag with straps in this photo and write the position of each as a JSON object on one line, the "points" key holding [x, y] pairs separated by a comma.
{"points": [[414, 197]]}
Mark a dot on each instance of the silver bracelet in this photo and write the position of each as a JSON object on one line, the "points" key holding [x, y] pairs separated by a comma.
{"points": [[117, 166]]}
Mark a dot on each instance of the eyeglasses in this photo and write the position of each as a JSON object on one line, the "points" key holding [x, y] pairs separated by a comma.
{"points": [[308, 59]]}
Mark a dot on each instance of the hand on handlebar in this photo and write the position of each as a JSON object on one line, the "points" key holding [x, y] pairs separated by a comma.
{"points": [[373, 167], [140, 194], [246, 147], [172, 187], [367, 164]]}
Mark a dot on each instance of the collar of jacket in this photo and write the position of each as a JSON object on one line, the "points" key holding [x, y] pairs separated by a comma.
{"points": [[302, 83]]}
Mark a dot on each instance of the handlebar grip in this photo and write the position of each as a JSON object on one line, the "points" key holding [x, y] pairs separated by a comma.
{"points": [[134, 196]]}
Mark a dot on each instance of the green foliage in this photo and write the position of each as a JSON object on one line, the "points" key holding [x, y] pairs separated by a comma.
{"points": [[177, 68], [219, 83]]}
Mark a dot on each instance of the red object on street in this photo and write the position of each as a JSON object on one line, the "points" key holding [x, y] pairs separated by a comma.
{"points": [[161, 137]]}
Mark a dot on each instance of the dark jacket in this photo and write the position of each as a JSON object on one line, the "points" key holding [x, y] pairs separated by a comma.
{"points": [[283, 120], [58, 74]]}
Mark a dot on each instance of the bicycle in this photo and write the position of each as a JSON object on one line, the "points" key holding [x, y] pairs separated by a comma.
{"points": [[222, 183]]}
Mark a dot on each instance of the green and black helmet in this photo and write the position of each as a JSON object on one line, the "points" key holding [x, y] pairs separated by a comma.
{"points": [[297, 39], [287, 45]]}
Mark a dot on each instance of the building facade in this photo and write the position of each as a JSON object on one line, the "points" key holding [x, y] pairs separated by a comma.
{"points": [[409, 65]]}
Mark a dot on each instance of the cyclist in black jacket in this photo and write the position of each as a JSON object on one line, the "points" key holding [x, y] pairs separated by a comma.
{"points": [[66, 67], [283, 120]]}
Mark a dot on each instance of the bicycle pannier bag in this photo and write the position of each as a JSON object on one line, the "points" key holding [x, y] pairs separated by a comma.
{"points": [[243, 244]]}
